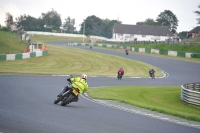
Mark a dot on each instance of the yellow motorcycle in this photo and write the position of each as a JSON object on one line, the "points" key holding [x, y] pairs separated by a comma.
{"points": [[67, 97]]}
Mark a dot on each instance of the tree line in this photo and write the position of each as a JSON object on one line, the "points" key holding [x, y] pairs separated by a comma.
{"points": [[51, 22], [92, 25]]}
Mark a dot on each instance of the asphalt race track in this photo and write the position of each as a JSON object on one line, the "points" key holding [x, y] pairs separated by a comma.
{"points": [[26, 104]]}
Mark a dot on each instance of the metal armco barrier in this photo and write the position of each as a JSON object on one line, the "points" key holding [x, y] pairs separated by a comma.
{"points": [[190, 93]]}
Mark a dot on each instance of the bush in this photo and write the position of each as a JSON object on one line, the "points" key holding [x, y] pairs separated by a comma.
{"points": [[5, 29]]}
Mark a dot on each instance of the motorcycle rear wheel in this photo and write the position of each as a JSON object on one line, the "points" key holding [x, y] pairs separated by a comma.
{"points": [[68, 100], [119, 77]]}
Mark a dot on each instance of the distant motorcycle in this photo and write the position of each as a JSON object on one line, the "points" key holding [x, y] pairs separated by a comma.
{"points": [[152, 75], [68, 97], [126, 52], [90, 47]]}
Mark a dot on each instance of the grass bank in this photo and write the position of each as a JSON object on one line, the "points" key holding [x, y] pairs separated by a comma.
{"points": [[197, 60], [51, 38], [184, 48], [163, 99], [11, 43], [197, 39], [172, 47], [69, 60]]}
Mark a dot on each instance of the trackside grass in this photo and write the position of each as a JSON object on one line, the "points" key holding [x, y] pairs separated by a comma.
{"points": [[197, 60], [173, 47], [163, 99], [51, 38], [64, 60], [11, 43], [197, 39]]}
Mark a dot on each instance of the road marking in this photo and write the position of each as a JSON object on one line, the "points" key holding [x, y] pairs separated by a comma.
{"points": [[60, 75], [143, 112]]}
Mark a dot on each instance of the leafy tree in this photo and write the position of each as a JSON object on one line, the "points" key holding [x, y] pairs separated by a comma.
{"points": [[198, 13], [108, 27], [52, 19], [41, 24], [27, 23], [98, 27], [182, 34], [148, 21], [88, 32], [19, 20], [69, 25], [167, 18], [140, 23], [9, 21], [95, 24], [91, 25]]}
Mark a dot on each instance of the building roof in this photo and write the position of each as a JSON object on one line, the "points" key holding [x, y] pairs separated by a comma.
{"points": [[195, 30], [142, 29]]}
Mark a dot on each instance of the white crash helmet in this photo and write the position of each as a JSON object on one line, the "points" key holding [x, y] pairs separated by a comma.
{"points": [[84, 76]]}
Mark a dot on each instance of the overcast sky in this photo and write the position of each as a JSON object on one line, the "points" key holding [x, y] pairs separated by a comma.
{"points": [[128, 11]]}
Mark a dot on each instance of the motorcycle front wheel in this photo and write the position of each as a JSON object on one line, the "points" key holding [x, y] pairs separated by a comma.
{"points": [[57, 101]]}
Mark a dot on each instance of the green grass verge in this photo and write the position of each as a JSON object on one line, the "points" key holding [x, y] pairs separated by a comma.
{"points": [[173, 47], [197, 39], [163, 99], [51, 38], [69, 60], [11, 43], [197, 60]]}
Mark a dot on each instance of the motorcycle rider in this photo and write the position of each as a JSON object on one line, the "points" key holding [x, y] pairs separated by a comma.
{"points": [[151, 71], [78, 82], [90, 46], [121, 69]]}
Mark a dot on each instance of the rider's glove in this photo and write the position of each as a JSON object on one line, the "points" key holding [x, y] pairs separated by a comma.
{"points": [[69, 80]]}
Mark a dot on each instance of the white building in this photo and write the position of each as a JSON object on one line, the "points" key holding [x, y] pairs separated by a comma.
{"points": [[126, 33]]}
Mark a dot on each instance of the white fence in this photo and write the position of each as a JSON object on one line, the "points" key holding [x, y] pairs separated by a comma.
{"points": [[64, 34], [107, 39]]}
